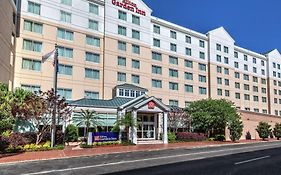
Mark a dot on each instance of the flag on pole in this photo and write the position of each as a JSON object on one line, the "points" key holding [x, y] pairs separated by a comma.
{"points": [[51, 54]]}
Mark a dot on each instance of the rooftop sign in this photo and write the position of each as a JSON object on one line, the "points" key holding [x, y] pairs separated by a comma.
{"points": [[129, 5]]}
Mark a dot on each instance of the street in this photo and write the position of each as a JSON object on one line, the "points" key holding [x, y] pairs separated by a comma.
{"points": [[257, 158]]}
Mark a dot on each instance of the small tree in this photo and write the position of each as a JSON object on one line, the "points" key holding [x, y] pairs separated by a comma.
{"points": [[177, 118], [277, 131], [71, 133], [235, 128], [263, 130], [128, 122], [90, 119]]}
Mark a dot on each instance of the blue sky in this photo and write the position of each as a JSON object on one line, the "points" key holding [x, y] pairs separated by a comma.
{"points": [[253, 24]]}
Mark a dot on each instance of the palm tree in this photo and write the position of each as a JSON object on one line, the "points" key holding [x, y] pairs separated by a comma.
{"points": [[128, 122], [90, 119]]}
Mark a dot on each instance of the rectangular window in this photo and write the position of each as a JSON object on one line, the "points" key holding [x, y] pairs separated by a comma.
{"points": [[227, 93], [173, 34], [246, 87], [135, 19], [246, 97], [246, 77], [121, 77], [254, 69], [30, 64], [245, 67], [66, 2], [156, 29], [34, 8], [236, 54], [254, 60], [135, 79], [263, 81], [136, 64], [188, 51], [33, 26], [121, 61], [262, 62], [256, 98], [188, 39], [236, 64], [94, 25], [93, 41], [202, 67], [31, 88], [226, 82], [245, 58], [202, 90], [202, 55], [30, 45], [173, 60], [122, 30], [237, 75], [65, 34], [173, 47], [156, 42], [237, 95], [226, 60], [219, 92], [65, 52], [136, 49], [66, 93], [219, 69], [156, 69], [188, 88], [188, 76], [65, 69], [225, 49], [93, 8], [135, 34], [202, 78], [156, 83], [156, 56], [173, 103], [173, 73], [121, 45], [263, 90], [65, 16], [218, 47], [255, 88], [92, 73], [226, 71], [201, 43], [188, 63], [218, 58], [173, 86], [237, 85], [122, 15], [264, 99], [219, 80], [255, 79], [91, 95], [93, 57]]}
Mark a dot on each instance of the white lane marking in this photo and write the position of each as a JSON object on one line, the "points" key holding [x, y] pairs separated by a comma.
{"points": [[251, 160], [147, 159]]}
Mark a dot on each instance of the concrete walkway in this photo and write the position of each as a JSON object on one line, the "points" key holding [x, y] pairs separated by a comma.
{"points": [[69, 152]]}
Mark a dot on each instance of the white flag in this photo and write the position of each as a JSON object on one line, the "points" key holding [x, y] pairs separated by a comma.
{"points": [[49, 55]]}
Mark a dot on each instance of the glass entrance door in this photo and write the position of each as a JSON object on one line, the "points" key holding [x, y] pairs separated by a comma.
{"points": [[146, 129]]}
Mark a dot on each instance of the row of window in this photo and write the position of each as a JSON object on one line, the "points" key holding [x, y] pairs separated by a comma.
{"points": [[123, 16], [123, 47], [123, 31]]}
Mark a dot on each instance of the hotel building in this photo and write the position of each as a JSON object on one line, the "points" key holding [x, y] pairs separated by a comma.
{"points": [[116, 48]]}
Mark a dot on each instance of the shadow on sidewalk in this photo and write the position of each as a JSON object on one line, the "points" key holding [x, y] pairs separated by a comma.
{"points": [[3, 155]]}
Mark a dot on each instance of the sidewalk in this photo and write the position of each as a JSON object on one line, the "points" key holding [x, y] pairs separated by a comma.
{"points": [[69, 152]]}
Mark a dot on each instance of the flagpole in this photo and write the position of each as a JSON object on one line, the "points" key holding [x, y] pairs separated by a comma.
{"points": [[53, 137]]}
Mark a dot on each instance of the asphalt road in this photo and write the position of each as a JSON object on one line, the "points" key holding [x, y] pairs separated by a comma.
{"points": [[262, 158]]}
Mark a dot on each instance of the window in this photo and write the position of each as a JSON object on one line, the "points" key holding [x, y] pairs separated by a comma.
{"points": [[66, 93], [188, 63], [219, 92], [236, 54], [246, 77], [226, 82], [254, 69], [225, 49], [188, 88], [246, 87], [65, 52], [256, 98], [202, 90], [173, 86], [246, 97], [263, 90], [94, 25], [256, 110], [188, 39], [236, 64], [226, 71], [33, 26], [227, 93], [92, 57], [263, 81], [219, 69], [93, 41], [202, 55], [173, 73], [254, 60], [34, 8], [121, 45], [30, 64], [156, 29], [135, 79], [136, 64], [173, 102], [65, 16], [226, 60], [262, 62], [65, 34], [92, 73], [202, 67], [135, 19], [202, 78], [93, 8], [237, 95], [156, 69], [121, 76], [173, 34], [91, 95], [245, 67], [66, 2], [255, 88], [122, 15], [264, 99], [188, 76], [262, 72], [122, 30], [173, 60], [31, 88], [245, 58], [156, 83], [201, 43], [156, 42], [218, 58], [219, 80], [218, 47], [156, 56], [188, 51], [136, 49], [274, 65], [121, 61], [30, 45], [255, 79], [135, 34], [237, 85], [173, 47], [65, 69]]}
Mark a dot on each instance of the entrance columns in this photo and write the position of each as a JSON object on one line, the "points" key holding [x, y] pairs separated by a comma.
{"points": [[134, 128], [165, 128]]}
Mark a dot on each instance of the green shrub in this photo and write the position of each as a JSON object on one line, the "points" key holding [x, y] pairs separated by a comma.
{"points": [[6, 133], [4, 143], [264, 130], [84, 145], [171, 137], [71, 133], [211, 139], [277, 131], [220, 138]]}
